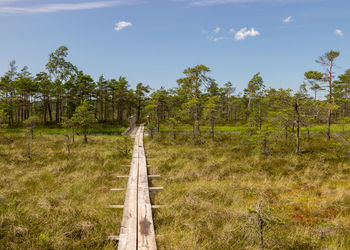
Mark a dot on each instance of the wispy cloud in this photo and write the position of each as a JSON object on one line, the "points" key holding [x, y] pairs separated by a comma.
{"points": [[49, 8], [214, 2], [213, 35], [216, 39], [122, 25], [244, 33], [339, 32], [287, 20], [217, 30], [8, 1]]}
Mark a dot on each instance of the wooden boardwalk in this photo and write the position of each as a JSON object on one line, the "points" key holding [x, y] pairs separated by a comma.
{"points": [[137, 228]]}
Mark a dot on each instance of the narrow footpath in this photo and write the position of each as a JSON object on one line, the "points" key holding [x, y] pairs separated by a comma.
{"points": [[137, 228]]}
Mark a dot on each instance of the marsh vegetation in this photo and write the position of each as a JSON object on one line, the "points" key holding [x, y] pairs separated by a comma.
{"points": [[59, 199], [214, 191]]}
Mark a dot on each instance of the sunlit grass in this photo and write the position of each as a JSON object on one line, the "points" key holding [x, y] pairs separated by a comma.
{"points": [[227, 128], [209, 188], [59, 200], [55, 130]]}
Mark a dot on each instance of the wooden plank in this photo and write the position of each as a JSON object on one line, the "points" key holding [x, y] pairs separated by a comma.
{"points": [[117, 189], [128, 231], [146, 235], [113, 237], [154, 189], [137, 229], [116, 206], [157, 206]]}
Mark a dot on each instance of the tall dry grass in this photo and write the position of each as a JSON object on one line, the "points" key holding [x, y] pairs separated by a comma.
{"points": [[211, 189], [58, 200]]}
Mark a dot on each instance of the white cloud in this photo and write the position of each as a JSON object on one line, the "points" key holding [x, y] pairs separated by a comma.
{"points": [[217, 30], [214, 2], [49, 8], [8, 1], [244, 33], [287, 20], [339, 32], [122, 25], [238, 36], [216, 39]]}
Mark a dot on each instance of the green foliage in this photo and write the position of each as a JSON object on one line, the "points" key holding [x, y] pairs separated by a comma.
{"points": [[42, 240], [191, 86], [124, 146], [30, 124], [314, 75], [84, 117], [255, 84], [151, 127], [173, 124], [140, 95], [2, 119]]}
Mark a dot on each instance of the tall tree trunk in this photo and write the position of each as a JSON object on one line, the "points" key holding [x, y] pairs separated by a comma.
{"points": [[105, 118], [198, 131], [330, 103], [57, 111], [194, 132], [50, 112], [113, 109], [296, 107], [45, 112], [85, 135], [329, 123]]}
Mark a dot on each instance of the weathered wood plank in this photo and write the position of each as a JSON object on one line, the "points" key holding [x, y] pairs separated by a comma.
{"points": [[137, 229], [122, 176], [157, 206], [117, 189], [146, 235], [155, 189], [116, 206], [113, 237], [128, 231]]}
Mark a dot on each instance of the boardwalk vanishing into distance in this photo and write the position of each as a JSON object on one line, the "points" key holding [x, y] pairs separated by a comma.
{"points": [[137, 228]]}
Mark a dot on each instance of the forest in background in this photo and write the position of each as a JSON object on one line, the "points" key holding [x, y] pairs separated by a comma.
{"points": [[54, 96]]}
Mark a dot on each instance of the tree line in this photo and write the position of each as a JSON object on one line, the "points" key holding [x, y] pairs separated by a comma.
{"points": [[55, 94]]}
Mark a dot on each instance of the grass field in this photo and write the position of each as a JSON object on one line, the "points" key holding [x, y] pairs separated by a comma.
{"points": [[220, 128], [212, 192], [58, 200], [55, 130]]}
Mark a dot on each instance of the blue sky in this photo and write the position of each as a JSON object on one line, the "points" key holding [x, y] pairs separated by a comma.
{"points": [[156, 40]]}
